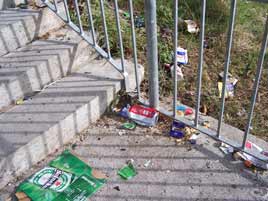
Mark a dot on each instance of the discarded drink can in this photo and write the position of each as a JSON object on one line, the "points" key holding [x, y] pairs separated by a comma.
{"points": [[144, 116], [176, 129]]}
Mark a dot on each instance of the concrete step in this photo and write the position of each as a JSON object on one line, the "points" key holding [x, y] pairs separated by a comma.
{"points": [[19, 27], [47, 121], [30, 68], [12, 3]]}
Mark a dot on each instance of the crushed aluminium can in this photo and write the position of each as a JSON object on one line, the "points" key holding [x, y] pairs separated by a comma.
{"points": [[176, 130], [144, 116]]}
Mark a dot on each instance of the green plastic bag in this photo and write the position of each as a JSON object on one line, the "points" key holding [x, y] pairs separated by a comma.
{"points": [[67, 178]]}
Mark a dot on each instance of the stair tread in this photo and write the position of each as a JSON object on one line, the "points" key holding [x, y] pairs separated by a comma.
{"points": [[23, 59], [52, 117], [19, 27], [39, 63], [16, 13], [62, 98], [48, 120]]}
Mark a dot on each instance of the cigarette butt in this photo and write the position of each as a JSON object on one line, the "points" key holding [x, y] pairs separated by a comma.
{"points": [[25, 199]]}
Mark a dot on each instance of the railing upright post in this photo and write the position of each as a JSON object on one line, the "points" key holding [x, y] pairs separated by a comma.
{"points": [[134, 44], [257, 82], [120, 40], [175, 41], [227, 62], [152, 53], [201, 60]]}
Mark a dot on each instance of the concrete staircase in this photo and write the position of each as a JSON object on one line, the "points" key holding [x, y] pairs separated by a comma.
{"points": [[64, 85]]}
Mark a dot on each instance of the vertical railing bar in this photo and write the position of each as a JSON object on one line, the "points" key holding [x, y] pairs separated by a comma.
{"points": [[175, 41], [135, 57], [78, 16], [152, 52], [125, 74], [105, 28], [67, 11], [256, 83], [91, 23], [200, 64], [227, 63], [56, 5]]}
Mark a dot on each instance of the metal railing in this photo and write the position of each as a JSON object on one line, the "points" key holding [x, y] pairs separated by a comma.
{"points": [[152, 57], [92, 39]]}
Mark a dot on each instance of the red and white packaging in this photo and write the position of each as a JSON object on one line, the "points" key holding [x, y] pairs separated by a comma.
{"points": [[144, 116]]}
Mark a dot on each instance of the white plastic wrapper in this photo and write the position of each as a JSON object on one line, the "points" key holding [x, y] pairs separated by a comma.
{"points": [[182, 56]]}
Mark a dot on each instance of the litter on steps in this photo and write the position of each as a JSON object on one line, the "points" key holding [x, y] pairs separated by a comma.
{"points": [[249, 160], [128, 171], [66, 178], [142, 115]]}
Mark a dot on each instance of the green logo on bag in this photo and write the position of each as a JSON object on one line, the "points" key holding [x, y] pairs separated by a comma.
{"points": [[52, 178]]}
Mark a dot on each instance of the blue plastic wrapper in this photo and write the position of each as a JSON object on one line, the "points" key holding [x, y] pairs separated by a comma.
{"points": [[124, 112], [181, 108]]}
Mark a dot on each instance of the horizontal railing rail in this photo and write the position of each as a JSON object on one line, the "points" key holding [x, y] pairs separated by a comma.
{"points": [[152, 59]]}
